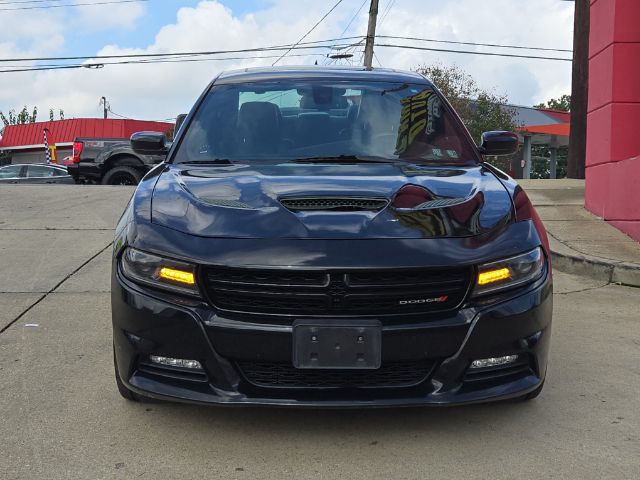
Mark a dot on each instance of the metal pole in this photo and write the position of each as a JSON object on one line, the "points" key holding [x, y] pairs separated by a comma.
{"points": [[104, 107], [371, 34], [526, 158], [553, 162]]}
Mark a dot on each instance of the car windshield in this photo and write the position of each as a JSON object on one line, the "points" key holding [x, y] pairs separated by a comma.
{"points": [[305, 120]]}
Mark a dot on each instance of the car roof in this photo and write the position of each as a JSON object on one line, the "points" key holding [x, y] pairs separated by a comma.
{"points": [[316, 72], [52, 165]]}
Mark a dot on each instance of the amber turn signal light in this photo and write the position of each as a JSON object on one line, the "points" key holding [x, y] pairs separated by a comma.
{"points": [[177, 275], [491, 276]]}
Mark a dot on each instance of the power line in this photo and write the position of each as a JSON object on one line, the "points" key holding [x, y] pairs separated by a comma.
{"points": [[470, 52], [355, 15], [189, 56], [184, 60], [386, 12], [310, 30], [475, 43], [147, 62], [12, 2], [41, 7], [129, 118], [298, 46], [377, 59]]}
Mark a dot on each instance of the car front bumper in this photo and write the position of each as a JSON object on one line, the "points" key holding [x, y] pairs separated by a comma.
{"points": [[147, 322]]}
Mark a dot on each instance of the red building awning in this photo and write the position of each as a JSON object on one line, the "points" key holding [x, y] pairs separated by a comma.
{"points": [[559, 129], [29, 135]]}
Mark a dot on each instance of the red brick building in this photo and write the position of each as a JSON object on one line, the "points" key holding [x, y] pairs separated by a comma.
{"points": [[613, 119]]}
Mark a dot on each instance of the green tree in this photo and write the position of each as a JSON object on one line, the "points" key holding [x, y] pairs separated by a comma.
{"points": [[563, 104], [23, 116], [480, 110], [540, 153], [52, 115]]}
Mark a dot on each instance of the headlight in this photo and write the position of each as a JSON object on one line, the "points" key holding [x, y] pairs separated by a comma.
{"points": [[508, 273], [159, 272]]}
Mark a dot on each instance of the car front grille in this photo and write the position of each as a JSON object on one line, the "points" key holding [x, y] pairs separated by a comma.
{"points": [[284, 375], [332, 293]]}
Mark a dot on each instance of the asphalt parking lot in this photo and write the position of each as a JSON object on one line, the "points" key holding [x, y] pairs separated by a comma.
{"points": [[61, 415]]}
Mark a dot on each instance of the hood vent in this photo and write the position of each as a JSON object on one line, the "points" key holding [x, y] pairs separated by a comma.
{"points": [[334, 204], [223, 202], [433, 204]]}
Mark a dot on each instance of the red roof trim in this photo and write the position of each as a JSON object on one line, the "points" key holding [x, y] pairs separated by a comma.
{"points": [[559, 115]]}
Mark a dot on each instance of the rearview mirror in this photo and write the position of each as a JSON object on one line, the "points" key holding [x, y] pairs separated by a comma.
{"points": [[149, 143], [498, 143]]}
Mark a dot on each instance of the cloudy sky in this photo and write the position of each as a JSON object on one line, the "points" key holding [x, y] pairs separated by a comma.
{"points": [[162, 90]]}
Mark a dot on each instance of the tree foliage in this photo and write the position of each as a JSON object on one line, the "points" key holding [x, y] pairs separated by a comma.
{"points": [[26, 116], [22, 117], [52, 115], [540, 165], [480, 110], [563, 104]]}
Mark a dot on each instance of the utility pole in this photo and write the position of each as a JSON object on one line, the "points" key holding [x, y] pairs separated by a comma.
{"points": [[371, 34], [579, 91], [105, 109]]}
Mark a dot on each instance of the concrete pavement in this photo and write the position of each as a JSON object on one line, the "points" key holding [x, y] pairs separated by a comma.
{"points": [[581, 242], [61, 415]]}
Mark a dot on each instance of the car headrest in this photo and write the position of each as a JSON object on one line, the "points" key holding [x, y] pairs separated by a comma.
{"points": [[258, 112]]}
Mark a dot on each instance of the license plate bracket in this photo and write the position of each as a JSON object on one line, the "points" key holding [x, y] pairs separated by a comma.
{"points": [[337, 345]]}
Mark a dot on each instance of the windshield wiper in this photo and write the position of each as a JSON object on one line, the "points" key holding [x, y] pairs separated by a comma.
{"points": [[344, 159], [404, 86]]}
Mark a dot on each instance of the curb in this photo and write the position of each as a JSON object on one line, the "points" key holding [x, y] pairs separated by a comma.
{"points": [[595, 267]]}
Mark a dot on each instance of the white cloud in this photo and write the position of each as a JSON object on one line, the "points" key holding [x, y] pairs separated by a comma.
{"points": [[105, 17], [543, 23], [164, 90]]}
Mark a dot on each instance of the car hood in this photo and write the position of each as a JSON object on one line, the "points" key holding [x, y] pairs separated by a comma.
{"points": [[248, 200]]}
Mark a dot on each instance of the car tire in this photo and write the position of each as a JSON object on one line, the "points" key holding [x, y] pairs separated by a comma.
{"points": [[124, 391], [122, 176]]}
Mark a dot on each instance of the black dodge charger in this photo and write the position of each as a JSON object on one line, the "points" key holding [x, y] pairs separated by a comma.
{"points": [[329, 237]]}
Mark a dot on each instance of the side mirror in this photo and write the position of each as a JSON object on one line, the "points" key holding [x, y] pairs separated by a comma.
{"points": [[179, 121], [149, 143], [498, 143]]}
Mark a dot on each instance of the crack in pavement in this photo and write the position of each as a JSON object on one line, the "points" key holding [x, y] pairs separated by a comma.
{"points": [[55, 287], [571, 247], [75, 291], [585, 289], [56, 229], [24, 292]]}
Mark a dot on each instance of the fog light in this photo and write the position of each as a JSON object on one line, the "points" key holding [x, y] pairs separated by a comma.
{"points": [[175, 362], [493, 362]]}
